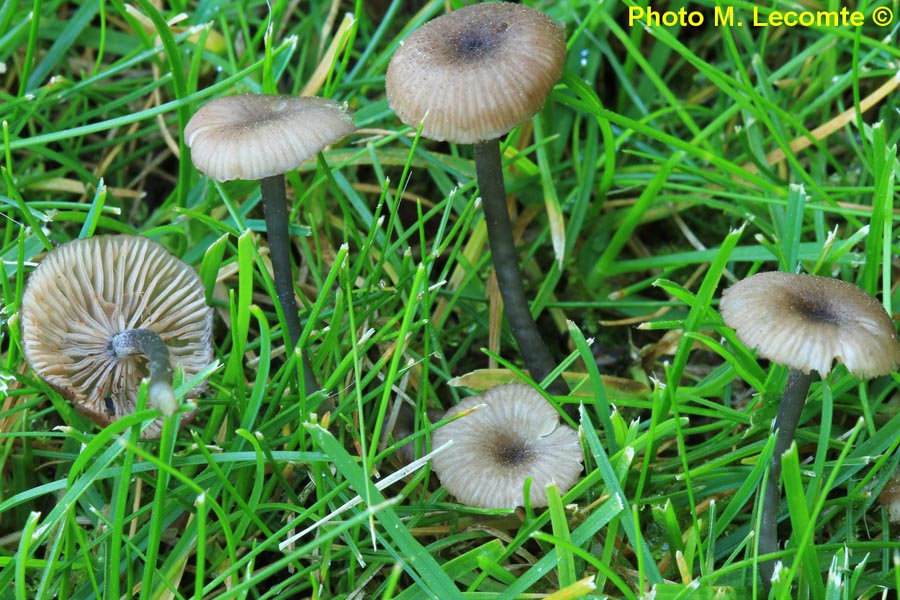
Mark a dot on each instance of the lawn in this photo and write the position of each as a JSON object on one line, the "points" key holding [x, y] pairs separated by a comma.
{"points": [[680, 152]]}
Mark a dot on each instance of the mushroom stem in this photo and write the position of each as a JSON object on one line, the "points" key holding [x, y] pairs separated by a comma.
{"points": [[274, 200], [534, 351], [145, 342], [786, 422]]}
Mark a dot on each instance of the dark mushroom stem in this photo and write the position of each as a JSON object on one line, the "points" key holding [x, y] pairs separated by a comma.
{"points": [[274, 199], [144, 342], [786, 422], [534, 351]]}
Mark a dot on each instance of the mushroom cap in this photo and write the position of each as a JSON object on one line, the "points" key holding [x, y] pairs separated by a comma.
{"points": [[807, 322], [86, 291], [253, 136], [476, 72], [495, 448]]}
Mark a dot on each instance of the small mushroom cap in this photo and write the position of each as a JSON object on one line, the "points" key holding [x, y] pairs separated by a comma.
{"points": [[253, 136], [498, 446], [807, 322], [85, 292], [476, 72]]}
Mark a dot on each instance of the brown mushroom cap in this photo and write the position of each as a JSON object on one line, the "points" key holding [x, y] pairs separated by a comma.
{"points": [[85, 292], [476, 72], [253, 136], [496, 447], [807, 322]]}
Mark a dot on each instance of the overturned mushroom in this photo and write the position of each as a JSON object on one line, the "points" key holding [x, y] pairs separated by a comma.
{"points": [[100, 314], [515, 436]]}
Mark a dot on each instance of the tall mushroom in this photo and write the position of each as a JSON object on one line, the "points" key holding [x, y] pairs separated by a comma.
{"points": [[252, 136], [100, 314], [516, 435], [469, 77], [805, 322]]}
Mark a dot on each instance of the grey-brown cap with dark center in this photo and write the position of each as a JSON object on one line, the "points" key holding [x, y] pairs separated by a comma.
{"points": [[253, 136], [85, 294], [807, 322], [476, 72], [498, 446]]}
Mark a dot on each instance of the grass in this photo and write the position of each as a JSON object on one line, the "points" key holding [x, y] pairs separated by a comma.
{"points": [[669, 162]]}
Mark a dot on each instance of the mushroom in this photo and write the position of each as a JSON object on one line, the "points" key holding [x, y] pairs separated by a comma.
{"points": [[100, 314], [806, 322], [516, 435], [254, 136], [469, 77]]}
